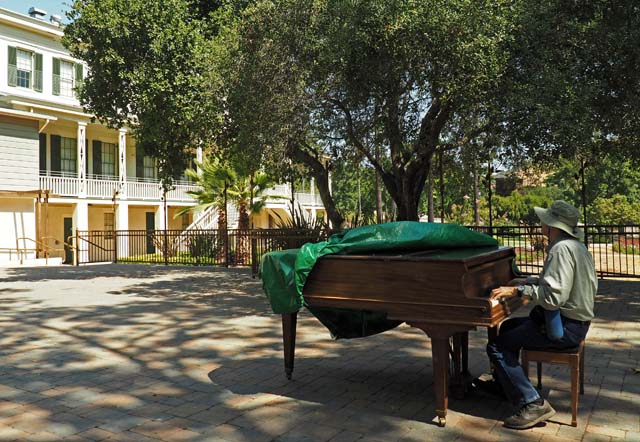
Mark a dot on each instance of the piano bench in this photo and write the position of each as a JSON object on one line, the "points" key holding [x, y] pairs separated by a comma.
{"points": [[572, 357]]}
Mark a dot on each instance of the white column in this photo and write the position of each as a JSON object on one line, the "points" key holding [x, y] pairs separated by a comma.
{"points": [[199, 154], [122, 164], [122, 223], [82, 160], [160, 217], [81, 222]]}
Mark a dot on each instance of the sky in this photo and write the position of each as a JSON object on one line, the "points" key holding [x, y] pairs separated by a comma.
{"points": [[51, 6]]}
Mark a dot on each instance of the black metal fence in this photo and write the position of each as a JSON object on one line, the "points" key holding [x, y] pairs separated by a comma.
{"points": [[615, 248]]}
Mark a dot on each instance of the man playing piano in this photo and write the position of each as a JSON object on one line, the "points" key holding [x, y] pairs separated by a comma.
{"points": [[564, 291]]}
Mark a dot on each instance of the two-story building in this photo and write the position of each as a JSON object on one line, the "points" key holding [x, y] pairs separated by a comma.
{"points": [[61, 172]]}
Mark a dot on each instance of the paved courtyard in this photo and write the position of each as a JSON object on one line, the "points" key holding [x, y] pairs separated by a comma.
{"points": [[148, 353]]}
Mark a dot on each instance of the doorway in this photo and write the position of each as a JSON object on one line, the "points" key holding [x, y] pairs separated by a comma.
{"points": [[68, 231], [151, 228]]}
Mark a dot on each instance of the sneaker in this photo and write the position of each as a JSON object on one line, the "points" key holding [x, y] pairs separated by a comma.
{"points": [[490, 387], [530, 415]]}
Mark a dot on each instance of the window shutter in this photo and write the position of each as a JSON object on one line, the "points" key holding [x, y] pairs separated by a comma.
{"points": [[55, 153], [37, 78], [43, 154], [139, 161], [97, 157], [13, 66], [79, 79], [56, 76]]}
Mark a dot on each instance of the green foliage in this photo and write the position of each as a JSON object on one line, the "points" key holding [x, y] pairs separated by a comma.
{"points": [[219, 183], [615, 210], [150, 70], [205, 247], [327, 78], [518, 207], [577, 80], [300, 220]]}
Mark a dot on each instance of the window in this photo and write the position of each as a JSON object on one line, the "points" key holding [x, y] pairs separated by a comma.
{"points": [[185, 220], [67, 77], [108, 159], [109, 224], [68, 156], [149, 167], [24, 66], [25, 69]]}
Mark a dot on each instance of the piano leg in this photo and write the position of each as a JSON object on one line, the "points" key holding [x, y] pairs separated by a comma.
{"points": [[289, 339], [440, 356], [440, 335], [457, 376]]}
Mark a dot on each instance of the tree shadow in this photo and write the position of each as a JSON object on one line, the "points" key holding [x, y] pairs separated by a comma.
{"points": [[204, 340]]}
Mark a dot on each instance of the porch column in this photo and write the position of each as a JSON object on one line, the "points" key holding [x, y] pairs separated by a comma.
{"points": [[199, 156], [160, 217], [81, 222], [122, 224], [122, 164], [82, 159]]}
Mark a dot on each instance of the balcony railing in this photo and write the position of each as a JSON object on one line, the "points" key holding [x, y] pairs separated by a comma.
{"points": [[104, 188], [146, 189], [282, 194]]}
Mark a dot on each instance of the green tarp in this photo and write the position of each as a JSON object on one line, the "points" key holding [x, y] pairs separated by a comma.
{"points": [[284, 273]]}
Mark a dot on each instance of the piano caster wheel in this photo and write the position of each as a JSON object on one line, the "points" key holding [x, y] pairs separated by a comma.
{"points": [[442, 421]]}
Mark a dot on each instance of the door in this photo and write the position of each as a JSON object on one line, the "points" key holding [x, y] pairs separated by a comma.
{"points": [[151, 227], [68, 231]]}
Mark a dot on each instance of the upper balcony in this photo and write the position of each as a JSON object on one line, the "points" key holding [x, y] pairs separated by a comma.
{"points": [[146, 189]]}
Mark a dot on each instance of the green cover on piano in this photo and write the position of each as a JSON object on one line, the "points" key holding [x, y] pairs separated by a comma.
{"points": [[284, 273]]}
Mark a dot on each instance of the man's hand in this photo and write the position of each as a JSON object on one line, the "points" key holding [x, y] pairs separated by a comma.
{"points": [[504, 292], [508, 291]]}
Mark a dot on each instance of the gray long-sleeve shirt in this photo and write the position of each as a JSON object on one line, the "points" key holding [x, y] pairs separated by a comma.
{"points": [[568, 280]]}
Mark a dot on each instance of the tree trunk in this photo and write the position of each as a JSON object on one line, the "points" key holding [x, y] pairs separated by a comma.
{"points": [[321, 175], [379, 213], [476, 194], [242, 256], [430, 209]]}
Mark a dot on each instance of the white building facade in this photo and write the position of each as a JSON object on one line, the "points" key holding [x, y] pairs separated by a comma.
{"points": [[60, 172]]}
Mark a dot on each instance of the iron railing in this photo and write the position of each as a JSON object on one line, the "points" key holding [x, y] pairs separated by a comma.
{"points": [[615, 248]]}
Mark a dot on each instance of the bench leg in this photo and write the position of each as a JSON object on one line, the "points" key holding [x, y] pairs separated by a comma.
{"points": [[574, 394]]}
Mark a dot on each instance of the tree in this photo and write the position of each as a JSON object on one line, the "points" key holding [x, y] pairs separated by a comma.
{"points": [[322, 77], [149, 69], [575, 66], [220, 183]]}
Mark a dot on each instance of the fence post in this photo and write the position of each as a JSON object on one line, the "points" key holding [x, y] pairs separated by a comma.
{"points": [[254, 258], [76, 249], [226, 247], [115, 246]]}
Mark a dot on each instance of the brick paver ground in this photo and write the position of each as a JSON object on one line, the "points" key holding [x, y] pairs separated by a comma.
{"points": [[145, 353]]}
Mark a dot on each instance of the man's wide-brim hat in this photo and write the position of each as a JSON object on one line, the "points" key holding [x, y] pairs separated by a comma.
{"points": [[563, 216]]}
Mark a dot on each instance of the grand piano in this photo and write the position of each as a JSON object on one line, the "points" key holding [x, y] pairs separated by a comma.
{"points": [[445, 293]]}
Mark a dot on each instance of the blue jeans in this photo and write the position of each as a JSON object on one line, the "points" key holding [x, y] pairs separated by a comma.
{"points": [[518, 333]]}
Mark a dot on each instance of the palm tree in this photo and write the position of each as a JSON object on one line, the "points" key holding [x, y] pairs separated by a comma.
{"points": [[214, 181], [220, 183], [248, 195]]}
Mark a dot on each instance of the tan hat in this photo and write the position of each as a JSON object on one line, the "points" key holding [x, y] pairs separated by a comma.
{"points": [[563, 216]]}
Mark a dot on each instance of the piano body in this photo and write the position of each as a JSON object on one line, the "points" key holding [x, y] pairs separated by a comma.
{"points": [[445, 293]]}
